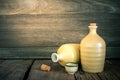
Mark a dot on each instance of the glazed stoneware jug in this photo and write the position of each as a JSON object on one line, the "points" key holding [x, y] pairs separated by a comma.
{"points": [[93, 51], [66, 53]]}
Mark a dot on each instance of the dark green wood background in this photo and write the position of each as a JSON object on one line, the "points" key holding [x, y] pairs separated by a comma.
{"points": [[36, 28]]}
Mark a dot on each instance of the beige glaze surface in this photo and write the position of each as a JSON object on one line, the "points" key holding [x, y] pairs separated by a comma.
{"points": [[93, 51], [66, 53]]}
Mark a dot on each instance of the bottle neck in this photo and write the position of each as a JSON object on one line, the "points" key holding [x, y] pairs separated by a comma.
{"points": [[56, 57], [93, 29]]}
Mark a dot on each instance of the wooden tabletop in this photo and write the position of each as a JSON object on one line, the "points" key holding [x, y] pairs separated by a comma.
{"points": [[30, 70]]}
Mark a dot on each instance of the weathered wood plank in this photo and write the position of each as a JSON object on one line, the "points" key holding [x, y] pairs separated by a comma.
{"points": [[80, 75], [44, 52], [56, 38], [112, 52], [111, 72], [27, 52], [58, 6], [14, 69], [40, 23], [38, 39], [63, 18], [54, 30], [17, 69], [57, 72]]}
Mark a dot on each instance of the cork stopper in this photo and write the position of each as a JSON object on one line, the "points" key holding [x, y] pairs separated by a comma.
{"points": [[45, 67], [92, 25]]}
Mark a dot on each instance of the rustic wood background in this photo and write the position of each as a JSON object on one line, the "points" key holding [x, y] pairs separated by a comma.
{"points": [[36, 28]]}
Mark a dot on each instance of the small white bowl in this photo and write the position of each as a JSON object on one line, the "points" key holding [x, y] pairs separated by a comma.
{"points": [[71, 67]]}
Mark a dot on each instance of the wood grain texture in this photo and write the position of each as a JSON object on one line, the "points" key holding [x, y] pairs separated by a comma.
{"points": [[27, 53], [57, 6], [54, 30], [86, 76], [44, 52], [57, 72], [51, 23], [112, 71], [30, 70], [13, 69]]}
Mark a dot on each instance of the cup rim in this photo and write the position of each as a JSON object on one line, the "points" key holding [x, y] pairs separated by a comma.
{"points": [[71, 64]]}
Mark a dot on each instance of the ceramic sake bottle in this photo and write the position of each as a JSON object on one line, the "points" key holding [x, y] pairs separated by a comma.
{"points": [[66, 53], [93, 51]]}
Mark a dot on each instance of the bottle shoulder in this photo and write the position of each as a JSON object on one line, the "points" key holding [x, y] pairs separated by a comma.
{"points": [[92, 40]]}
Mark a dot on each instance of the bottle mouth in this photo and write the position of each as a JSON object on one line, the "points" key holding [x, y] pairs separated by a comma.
{"points": [[54, 57], [92, 26]]}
